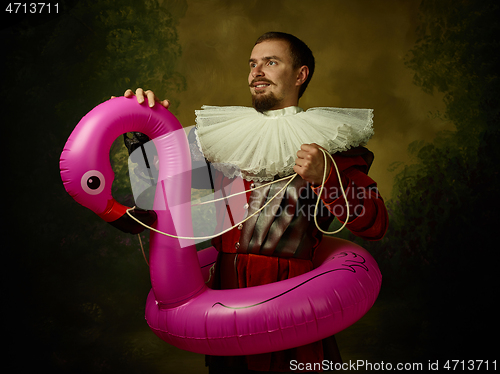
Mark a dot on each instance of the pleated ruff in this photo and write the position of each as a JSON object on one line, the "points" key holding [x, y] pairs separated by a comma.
{"points": [[240, 141]]}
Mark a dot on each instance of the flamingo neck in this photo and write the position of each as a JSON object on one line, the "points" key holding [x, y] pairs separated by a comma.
{"points": [[174, 267]]}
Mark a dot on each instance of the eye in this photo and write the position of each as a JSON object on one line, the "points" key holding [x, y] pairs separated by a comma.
{"points": [[93, 182], [272, 63]]}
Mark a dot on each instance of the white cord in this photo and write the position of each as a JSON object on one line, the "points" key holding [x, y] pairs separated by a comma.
{"points": [[291, 177], [240, 193], [223, 232], [321, 191]]}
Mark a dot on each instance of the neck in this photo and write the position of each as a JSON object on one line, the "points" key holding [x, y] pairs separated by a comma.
{"points": [[290, 110]]}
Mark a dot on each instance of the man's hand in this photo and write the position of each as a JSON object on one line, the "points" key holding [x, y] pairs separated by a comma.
{"points": [[140, 94], [310, 163]]}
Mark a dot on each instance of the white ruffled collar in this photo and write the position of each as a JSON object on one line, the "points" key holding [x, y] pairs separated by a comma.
{"points": [[240, 141]]}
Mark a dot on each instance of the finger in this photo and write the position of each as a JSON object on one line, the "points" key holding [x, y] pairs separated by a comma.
{"points": [[128, 93], [303, 164], [299, 162], [298, 170], [312, 148], [113, 97], [140, 95], [313, 151], [307, 147], [165, 103], [302, 172], [151, 98], [318, 146], [303, 154]]}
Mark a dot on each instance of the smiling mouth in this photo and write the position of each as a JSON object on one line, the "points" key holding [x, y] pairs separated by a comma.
{"points": [[260, 84], [260, 88]]}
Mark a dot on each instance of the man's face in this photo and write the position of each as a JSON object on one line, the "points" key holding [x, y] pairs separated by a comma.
{"points": [[273, 81]]}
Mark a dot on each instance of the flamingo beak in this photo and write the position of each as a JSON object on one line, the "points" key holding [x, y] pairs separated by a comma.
{"points": [[116, 215]]}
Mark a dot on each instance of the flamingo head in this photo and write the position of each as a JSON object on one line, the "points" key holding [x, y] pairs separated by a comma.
{"points": [[85, 168]]}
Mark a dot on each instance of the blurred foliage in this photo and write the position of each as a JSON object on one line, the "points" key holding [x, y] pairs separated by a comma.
{"points": [[443, 209], [457, 54], [76, 287]]}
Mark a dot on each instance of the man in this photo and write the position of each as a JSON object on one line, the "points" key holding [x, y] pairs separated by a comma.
{"points": [[274, 246]]}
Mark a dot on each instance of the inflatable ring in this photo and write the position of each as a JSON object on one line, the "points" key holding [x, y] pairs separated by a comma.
{"points": [[180, 308]]}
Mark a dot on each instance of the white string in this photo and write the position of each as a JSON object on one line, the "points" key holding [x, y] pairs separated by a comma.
{"points": [[142, 249], [321, 191], [240, 193], [291, 177], [223, 232]]}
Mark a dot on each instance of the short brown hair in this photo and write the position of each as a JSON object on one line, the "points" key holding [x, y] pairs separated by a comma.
{"points": [[301, 54]]}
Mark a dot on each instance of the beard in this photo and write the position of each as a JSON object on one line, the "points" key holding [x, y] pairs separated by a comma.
{"points": [[263, 102]]}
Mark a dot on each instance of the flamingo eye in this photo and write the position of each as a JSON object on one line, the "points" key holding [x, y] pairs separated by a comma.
{"points": [[93, 182]]}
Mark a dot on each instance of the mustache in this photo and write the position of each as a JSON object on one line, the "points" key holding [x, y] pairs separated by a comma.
{"points": [[261, 80]]}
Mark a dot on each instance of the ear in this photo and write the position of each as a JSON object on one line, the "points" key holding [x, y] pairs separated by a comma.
{"points": [[302, 75]]}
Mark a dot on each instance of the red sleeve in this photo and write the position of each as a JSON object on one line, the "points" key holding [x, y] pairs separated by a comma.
{"points": [[368, 216]]}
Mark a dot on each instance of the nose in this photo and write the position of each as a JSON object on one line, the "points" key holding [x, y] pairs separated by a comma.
{"points": [[257, 71]]}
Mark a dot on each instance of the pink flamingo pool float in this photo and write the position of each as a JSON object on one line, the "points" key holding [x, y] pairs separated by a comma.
{"points": [[180, 308]]}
